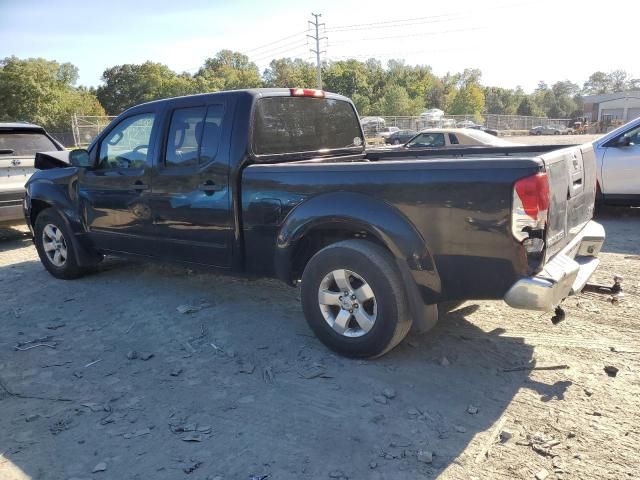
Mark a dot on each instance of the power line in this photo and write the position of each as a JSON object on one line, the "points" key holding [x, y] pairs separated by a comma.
{"points": [[407, 35], [275, 41], [278, 51]]}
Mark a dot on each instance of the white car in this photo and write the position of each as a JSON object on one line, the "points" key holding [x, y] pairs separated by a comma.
{"points": [[618, 164], [19, 143], [455, 137]]}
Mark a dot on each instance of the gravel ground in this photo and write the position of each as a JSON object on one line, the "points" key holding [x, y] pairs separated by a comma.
{"points": [[127, 387]]}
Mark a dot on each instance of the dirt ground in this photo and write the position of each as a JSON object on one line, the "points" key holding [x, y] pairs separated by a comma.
{"points": [[124, 386], [552, 139]]}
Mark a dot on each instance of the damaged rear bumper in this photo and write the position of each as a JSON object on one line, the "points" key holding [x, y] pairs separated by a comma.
{"points": [[565, 274]]}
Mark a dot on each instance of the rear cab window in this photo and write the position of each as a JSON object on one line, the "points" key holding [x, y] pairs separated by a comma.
{"points": [[286, 125], [194, 136], [24, 143]]}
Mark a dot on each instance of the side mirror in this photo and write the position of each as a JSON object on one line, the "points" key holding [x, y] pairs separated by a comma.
{"points": [[79, 158]]}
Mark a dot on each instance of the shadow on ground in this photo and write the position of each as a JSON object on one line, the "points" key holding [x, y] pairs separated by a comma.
{"points": [[239, 388], [622, 225]]}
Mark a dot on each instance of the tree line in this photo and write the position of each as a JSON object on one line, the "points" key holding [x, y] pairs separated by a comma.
{"points": [[45, 92]]}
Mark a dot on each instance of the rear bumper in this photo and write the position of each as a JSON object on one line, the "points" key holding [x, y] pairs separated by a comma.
{"points": [[565, 274], [11, 208]]}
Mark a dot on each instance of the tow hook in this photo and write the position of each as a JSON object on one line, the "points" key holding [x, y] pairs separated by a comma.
{"points": [[615, 290], [559, 315]]}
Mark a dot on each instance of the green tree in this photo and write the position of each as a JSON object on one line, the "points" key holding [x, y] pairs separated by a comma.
{"points": [[43, 92], [228, 70], [468, 100], [287, 72], [128, 85], [396, 102]]}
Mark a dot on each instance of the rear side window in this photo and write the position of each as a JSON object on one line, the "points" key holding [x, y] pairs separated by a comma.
{"points": [[453, 140], [24, 143], [194, 136], [302, 124]]}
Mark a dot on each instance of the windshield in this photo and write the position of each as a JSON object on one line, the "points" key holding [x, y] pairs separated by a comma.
{"points": [[303, 124], [486, 138], [24, 143]]}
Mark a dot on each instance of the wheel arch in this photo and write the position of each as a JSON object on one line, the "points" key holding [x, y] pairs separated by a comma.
{"points": [[332, 217]]}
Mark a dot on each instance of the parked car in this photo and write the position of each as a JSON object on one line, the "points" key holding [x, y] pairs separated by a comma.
{"points": [[466, 124], [546, 130], [386, 131], [618, 165], [450, 137], [400, 137], [19, 143], [278, 183], [482, 128]]}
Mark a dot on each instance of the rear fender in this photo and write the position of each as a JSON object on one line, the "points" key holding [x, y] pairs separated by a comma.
{"points": [[362, 214]]}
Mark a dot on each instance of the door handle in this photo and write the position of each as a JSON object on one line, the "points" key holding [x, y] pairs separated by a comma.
{"points": [[140, 187], [209, 187]]}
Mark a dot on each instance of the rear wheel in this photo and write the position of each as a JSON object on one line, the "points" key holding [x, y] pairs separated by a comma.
{"points": [[354, 300], [55, 245]]}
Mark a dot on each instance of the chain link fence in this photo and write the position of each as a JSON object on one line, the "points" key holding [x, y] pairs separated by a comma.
{"points": [[372, 125]]}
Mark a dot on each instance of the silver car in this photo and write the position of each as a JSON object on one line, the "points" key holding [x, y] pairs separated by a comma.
{"points": [[618, 164], [19, 143]]}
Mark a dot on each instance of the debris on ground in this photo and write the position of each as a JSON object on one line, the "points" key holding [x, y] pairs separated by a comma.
{"points": [[137, 433], [444, 361], [267, 375], [100, 467], [186, 308], [380, 399], [542, 474], [93, 363], [471, 409], [425, 456], [246, 367], [176, 372], [192, 468], [314, 371], [505, 436], [36, 342], [611, 370], [132, 354], [146, 356], [459, 429], [390, 393]]}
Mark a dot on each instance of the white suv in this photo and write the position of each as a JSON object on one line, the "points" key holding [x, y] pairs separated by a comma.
{"points": [[19, 143]]}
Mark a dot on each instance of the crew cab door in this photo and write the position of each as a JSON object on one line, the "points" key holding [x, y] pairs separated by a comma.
{"points": [[114, 194], [190, 199], [621, 165]]}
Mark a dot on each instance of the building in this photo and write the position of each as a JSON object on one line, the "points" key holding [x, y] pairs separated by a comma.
{"points": [[623, 106]]}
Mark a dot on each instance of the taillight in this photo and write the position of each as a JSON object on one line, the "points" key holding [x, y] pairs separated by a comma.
{"points": [[530, 208], [306, 92]]}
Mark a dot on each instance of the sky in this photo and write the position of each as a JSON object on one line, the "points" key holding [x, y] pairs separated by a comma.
{"points": [[512, 42]]}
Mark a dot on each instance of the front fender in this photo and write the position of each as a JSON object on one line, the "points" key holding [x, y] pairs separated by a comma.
{"points": [[355, 212], [56, 189]]}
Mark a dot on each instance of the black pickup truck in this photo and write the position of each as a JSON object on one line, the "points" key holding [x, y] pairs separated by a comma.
{"points": [[278, 183]]}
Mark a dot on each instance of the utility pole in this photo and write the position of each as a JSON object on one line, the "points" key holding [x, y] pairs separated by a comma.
{"points": [[317, 51]]}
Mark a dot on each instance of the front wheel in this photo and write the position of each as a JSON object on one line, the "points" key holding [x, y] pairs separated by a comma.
{"points": [[55, 247], [354, 300]]}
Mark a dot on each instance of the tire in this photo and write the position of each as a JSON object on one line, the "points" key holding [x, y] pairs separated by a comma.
{"points": [[360, 263], [50, 226]]}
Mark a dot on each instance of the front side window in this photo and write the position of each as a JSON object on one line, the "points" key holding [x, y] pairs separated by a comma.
{"points": [[425, 140], [633, 136], [127, 145]]}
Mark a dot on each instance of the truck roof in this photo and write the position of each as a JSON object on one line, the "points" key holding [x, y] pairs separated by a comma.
{"points": [[253, 92], [19, 126]]}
